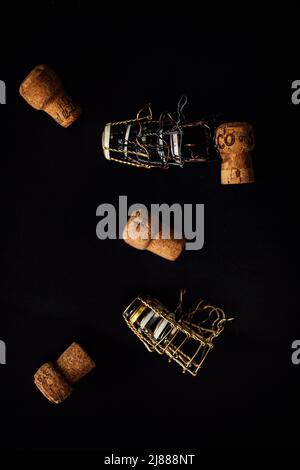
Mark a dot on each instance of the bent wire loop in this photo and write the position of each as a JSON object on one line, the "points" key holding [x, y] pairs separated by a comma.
{"points": [[185, 337], [159, 143]]}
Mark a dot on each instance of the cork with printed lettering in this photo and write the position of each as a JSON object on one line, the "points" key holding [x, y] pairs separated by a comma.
{"points": [[235, 143]]}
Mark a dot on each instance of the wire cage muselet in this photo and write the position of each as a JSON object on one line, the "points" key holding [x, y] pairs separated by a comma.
{"points": [[173, 141], [148, 143], [185, 338]]}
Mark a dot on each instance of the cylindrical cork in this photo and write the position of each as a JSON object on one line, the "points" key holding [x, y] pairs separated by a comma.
{"points": [[52, 384], [43, 90], [138, 233], [75, 363], [55, 380], [235, 142]]}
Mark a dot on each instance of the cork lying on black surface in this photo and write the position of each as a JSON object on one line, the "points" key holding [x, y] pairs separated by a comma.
{"points": [[43, 90], [55, 380]]}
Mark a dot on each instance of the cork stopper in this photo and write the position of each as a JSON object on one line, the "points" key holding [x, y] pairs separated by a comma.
{"points": [[75, 363], [43, 90], [55, 380], [52, 384], [235, 142], [138, 234]]}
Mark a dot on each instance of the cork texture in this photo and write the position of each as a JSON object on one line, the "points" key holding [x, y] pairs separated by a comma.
{"points": [[235, 143], [43, 90], [52, 384], [75, 363], [137, 233], [55, 380], [168, 249]]}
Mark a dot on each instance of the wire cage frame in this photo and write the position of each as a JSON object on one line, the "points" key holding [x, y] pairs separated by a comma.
{"points": [[148, 143], [186, 340]]}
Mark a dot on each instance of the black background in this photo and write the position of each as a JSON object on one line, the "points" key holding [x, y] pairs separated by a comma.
{"points": [[60, 283]]}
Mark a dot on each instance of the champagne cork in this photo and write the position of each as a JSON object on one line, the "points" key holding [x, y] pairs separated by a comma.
{"points": [[55, 380], [138, 234], [235, 142], [43, 90]]}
